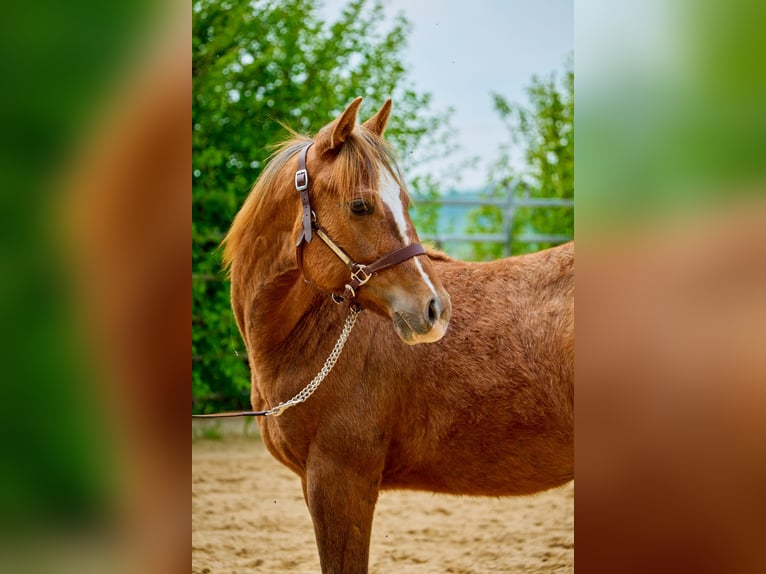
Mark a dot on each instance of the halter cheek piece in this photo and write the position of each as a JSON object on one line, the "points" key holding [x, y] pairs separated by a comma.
{"points": [[360, 273]]}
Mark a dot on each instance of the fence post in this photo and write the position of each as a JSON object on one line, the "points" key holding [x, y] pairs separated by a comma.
{"points": [[508, 214]]}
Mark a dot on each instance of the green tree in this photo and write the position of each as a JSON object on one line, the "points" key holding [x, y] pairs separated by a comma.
{"points": [[256, 63], [545, 132]]}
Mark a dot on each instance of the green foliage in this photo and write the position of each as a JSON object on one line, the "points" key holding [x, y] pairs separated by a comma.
{"points": [[256, 63], [485, 220], [545, 131]]}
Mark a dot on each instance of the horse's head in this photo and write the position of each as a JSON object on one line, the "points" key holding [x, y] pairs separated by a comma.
{"points": [[360, 204]]}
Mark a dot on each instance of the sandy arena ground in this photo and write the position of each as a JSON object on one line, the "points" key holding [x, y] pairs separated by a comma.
{"points": [[248, 515]]}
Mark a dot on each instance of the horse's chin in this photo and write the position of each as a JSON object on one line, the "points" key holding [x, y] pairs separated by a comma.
{"points": [[412, 337]]}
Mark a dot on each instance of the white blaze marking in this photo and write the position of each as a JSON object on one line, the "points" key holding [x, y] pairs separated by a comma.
{"points": [[426, 278], [391, 196]]}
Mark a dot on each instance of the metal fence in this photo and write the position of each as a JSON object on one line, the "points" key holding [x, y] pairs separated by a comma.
{"points": [[508, 205]]}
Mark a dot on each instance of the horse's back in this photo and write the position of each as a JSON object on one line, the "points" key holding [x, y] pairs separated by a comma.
{"points": [[526, 301]]}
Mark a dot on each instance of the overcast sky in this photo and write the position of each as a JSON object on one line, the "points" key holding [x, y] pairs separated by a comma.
{"points": [[462, 50]]}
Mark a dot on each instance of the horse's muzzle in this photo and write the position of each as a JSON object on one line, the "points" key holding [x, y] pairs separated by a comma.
{"points": [[426, 325]]}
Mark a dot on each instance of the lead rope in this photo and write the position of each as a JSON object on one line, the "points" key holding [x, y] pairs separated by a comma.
{"points": [[308, 390]]}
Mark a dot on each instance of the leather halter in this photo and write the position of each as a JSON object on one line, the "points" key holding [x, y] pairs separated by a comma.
{"points": [[360, 273]]}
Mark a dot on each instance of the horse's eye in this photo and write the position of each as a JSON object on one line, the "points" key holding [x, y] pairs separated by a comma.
{"points": [[360, 206]]}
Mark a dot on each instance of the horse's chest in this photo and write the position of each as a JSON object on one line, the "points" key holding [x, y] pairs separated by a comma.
{"points": [[291, 451]]}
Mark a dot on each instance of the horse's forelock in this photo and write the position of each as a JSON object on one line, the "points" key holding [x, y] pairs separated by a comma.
{"points": [[359, 162]]}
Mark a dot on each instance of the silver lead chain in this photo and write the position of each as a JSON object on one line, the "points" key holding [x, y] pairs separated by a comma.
{"points": [[309, 389]]}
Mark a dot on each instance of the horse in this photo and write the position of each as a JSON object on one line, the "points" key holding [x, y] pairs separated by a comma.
{"points": [[458, 379]]}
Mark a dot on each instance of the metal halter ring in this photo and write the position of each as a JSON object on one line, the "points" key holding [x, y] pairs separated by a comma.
{"points": [[360, 275]]}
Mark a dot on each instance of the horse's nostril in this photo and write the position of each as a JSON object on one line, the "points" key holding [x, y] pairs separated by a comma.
{"points": [[433, 312]]}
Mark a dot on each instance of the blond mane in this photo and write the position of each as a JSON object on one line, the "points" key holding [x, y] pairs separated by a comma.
{"points": [[267, 180]]}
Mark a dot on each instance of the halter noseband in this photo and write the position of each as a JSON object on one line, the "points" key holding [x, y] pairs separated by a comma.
{"points": [[360, 273]]}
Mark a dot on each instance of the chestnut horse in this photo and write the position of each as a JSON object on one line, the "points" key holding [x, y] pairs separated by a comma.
{"points": [[486, 407]]}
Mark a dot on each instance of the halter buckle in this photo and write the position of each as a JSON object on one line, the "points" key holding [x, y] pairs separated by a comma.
{"points": [[301, 180], [360, 276]]}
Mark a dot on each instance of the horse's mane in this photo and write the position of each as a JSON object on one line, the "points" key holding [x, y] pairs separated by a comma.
{"points": [[356, 167], [267, 180]]}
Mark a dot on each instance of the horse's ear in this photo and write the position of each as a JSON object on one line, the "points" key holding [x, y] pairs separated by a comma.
{"points": [[333, 135], [377, 123]]}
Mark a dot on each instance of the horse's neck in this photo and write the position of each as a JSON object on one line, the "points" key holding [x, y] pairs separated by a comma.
{"points": [[269, 252], [285, 313], [269, 296]]}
